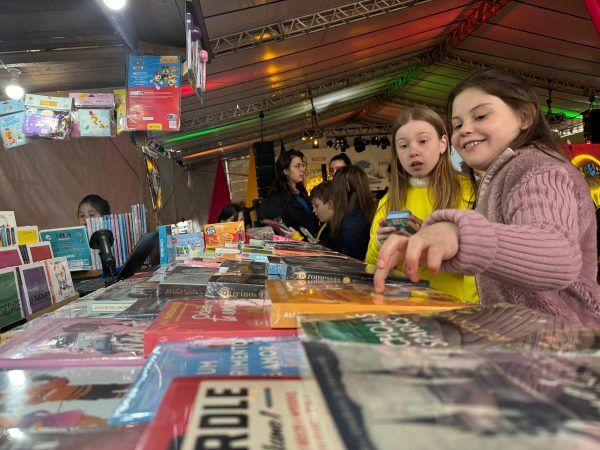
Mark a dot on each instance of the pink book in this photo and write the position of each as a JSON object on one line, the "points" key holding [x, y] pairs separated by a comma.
{"points": [[76, 342], [39, 251], [188, 319], [10, 257]]}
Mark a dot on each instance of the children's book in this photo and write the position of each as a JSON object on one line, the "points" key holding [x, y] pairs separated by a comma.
{"points": [[292, 298], [92, 122], [11, 307], [44, 398], [188, 245], [59, 279], [10, 257], [165, 244], [7, 219], [249, 413], [39, 251], [188, 319], [12, 116], [269, 357], [219, 234], [35, 287], [27, 235], [76, 342], [71, 242]]}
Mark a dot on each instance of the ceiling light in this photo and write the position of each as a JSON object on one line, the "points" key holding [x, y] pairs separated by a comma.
{"points": [[375, 141], [329, 143], [315, 143], [14, 90], [359, 144], [115, 4]]}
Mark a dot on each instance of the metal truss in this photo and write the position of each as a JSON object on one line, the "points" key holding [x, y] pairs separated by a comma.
{"points": [[534, 80], [310, 23], [409, 102], [364, 130]]}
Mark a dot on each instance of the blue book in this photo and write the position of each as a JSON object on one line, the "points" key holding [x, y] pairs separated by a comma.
{"points": [[188, 244], [72, 243], [269, 357], [165, 244]]}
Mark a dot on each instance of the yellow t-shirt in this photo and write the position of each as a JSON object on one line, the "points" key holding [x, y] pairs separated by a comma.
{"points": [[419, 203]]}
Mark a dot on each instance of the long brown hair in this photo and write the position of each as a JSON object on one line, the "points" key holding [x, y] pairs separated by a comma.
{"points": [[444, 185], [350, 190]]}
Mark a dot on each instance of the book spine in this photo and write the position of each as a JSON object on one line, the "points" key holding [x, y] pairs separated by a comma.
{"points": [[182, 290]]}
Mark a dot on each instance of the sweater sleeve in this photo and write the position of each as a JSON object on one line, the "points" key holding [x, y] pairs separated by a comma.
{"points": [[536, 249], [374, 246]]}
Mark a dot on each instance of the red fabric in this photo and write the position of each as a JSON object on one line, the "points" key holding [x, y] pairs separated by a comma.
{"points": [[220, 195], [593, 7]]}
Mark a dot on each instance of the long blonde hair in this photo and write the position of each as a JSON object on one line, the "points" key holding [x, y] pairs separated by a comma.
{"points": [[444, 185]]}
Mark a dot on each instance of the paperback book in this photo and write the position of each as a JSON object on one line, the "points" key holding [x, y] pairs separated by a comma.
{"points": [[59, 279], [11, 307], [236, 286], [72, 243], [119, 297], [10, 257], [76, 342], [39, 251], [186, 319], [185, 281], [35, 287], [292, 298], [268, 357]]}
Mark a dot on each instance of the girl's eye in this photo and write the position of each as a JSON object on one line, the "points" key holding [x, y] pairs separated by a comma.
{"points": [[402, 146], [423, 142], [456, 126], [480, 117]]}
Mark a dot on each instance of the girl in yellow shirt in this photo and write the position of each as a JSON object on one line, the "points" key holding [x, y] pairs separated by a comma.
{"points": [[423, 180]]}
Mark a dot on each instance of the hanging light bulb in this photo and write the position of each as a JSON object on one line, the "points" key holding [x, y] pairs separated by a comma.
{"points": [[115, 4], [14, 90]]}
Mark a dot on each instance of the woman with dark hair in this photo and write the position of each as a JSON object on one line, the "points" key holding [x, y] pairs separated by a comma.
{"points": [[232, 212], [288, 201], [353, 211], [338, 161], [92, 206]]}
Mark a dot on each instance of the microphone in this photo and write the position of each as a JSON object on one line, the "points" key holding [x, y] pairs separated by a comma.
{"points": [[103, 240]]}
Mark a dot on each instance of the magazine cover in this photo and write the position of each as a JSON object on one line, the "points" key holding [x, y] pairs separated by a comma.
{"points": [[188, 319], [480, 327], [426, 398], [269, 357], [61, 397], [76, 342], [280, 413]]}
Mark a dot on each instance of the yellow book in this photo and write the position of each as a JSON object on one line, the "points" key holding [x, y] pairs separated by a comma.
{"points": [[298, 297], [27, 235]]}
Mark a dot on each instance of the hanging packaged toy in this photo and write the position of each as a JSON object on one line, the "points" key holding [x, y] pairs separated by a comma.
{"points": [[121, 109], [48, 117], [12, 116], [93, 115]]}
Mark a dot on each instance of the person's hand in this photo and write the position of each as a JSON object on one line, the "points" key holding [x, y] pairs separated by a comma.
{"points": [[290, 232], [383, 232], [429, 247], [414, 223]]}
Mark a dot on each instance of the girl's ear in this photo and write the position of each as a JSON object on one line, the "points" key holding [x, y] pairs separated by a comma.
{"points": [[443, 144], [527, 115], [286, 172], [329, 203]]}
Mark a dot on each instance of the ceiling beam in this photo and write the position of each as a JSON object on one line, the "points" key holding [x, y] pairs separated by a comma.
{"points": [[81, 56], [122, 24], [310, 23]]}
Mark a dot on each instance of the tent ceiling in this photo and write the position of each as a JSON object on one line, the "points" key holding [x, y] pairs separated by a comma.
{"points": [[363, 62]]}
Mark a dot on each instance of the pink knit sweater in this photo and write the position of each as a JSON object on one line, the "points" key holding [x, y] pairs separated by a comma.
{"points": [[531, 240]]}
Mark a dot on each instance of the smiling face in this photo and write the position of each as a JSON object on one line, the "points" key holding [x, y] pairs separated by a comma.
{"points": [[483, 126], [419, 147]]}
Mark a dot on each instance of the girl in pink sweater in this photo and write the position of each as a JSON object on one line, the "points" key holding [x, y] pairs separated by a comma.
{"points": [[531, 239]]}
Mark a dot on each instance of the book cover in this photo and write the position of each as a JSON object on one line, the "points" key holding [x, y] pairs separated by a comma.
{"points": [[39, 251], [292, 298], [121, 296], [188, 244], [35, 287], [480, 327], [380, 396], [59, 279], [145, 308], [43, 398], [76, 342], [244, 267], [153, 93], [11, 127], [236, 286], [93, 122], [11, 308], [10, 257], [71, 242], [27, 235], [7, 219], [219, 234], [185, 281], [188, 319], [268, 357], [165, 244], [248, 413]]}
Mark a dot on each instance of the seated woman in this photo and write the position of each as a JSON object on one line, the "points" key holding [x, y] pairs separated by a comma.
{"points": [[92, 206], [353, 211], [288, 201], [232, 212], [320, 197]]}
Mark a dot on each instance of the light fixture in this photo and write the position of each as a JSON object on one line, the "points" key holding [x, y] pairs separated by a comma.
{"points": [[315, 143], [375, 141], [359, 144], [330, 143], [14, 90], [384, 142], [115, 4]]}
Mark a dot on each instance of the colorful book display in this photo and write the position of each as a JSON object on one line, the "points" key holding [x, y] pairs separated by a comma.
{"points": [[72, 243], [52, 398], [76, 342], [153, 93], [12, 117], [268, 357], [187, 319], [292, 298], [198, 413]]}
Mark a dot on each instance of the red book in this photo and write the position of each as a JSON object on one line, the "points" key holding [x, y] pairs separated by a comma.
{"points": [[188, 319], [241, 412]]}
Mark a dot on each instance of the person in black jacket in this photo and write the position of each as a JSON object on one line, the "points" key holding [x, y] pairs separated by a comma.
{"points": [[288, 201], [354, 209]]}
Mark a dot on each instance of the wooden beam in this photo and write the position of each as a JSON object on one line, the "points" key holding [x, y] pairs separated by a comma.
{"points": [[122, 24], [150, 48], [93, 54]]}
